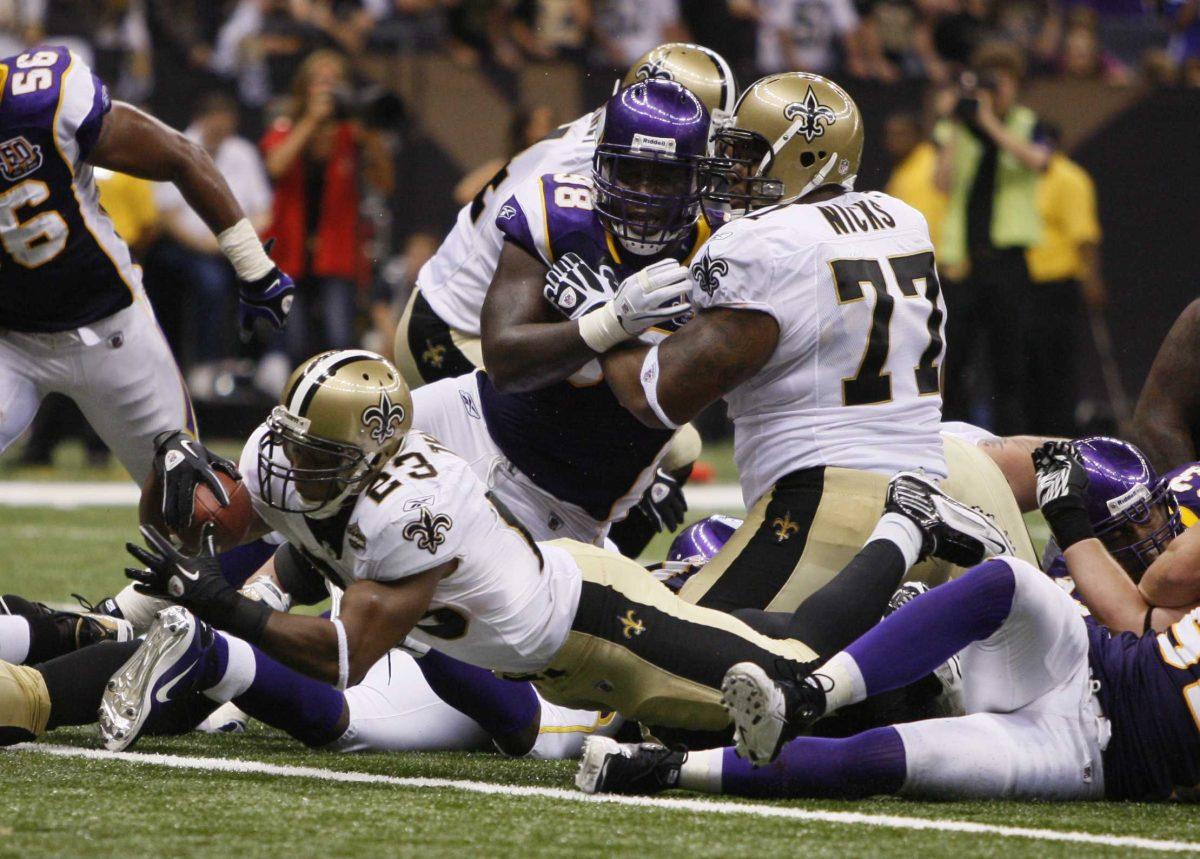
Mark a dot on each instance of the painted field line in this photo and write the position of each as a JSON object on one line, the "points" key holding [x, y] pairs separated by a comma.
{"points": [[698, 806], [66, 495]]}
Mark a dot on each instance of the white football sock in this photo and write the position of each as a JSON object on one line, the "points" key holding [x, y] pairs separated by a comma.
{"points": [[901, 531], [139, 609], [843, 682], [14, 639], [239, 671], [564, 730], [702, 771]]}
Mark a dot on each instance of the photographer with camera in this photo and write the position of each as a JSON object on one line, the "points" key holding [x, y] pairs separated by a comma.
{"points": [[990, 155], [321, 155]]}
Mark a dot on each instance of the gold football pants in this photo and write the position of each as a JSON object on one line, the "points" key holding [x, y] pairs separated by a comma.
{"points": [[803, 531], [636, 648]]}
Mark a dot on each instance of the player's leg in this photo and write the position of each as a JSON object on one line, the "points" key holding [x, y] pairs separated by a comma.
{"points": [[1022, 638], [636, 648], [19, 394], [31, 632], [129, 387], [427, 349]]}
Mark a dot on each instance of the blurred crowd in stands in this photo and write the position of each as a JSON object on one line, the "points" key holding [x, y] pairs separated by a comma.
{"points": [[275, 91]]}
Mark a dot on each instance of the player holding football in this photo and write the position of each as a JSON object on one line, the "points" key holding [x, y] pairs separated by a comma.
{"points": [[821, 322], [73, 315]]}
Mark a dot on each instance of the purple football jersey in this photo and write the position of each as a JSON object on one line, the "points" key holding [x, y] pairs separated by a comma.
{"points": [[1184, 481], [575, 441], [61, 263]]}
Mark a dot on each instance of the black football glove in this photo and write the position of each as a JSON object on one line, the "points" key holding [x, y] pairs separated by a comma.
{"points": [[181, 463], [196, 583], [663, 503], [1061, 483], [575, 288], [269, 298]]}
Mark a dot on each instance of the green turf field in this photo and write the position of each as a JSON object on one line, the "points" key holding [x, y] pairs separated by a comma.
{"points": [[52, 805]]}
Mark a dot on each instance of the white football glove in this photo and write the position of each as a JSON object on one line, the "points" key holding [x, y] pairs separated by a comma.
{"points": [[654, 295], [575, 288]]}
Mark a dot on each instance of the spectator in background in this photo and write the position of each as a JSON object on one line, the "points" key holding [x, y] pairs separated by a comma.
{"points": [[191, 250], [1184, 18], [990, 156], [550, 29], [626, 29], [1065, 268], [317, 154], [804, 35], [914, 170], [1083, 57], [528, 126]]}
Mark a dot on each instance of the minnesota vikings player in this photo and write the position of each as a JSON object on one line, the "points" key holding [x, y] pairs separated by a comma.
{"points": [[1058, 705], [605, 250], [73, 316]]}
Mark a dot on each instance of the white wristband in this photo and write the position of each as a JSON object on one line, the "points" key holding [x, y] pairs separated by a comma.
{"points": [[649, 377], [343, 655], [601, 330], [267, 591], [244, 250]]}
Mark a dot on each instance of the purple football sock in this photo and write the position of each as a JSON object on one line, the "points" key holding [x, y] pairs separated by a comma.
{"points": [[307, 709], [927, 631], [241, 563], [501, 707], [863, 765]]}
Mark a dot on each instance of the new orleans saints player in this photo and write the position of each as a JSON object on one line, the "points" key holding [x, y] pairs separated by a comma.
{"points": [[422, 550], [821, 322]]}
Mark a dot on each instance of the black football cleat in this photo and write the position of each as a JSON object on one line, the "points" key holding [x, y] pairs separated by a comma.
{"points": [[905, 594], [952, 531], [629, 768], [766, 713], [72, 629]]}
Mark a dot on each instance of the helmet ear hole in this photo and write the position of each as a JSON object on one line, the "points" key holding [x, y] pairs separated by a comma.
{"points": [[807, 159]]}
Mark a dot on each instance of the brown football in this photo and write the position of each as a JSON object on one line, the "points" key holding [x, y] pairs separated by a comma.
{"points": [[233, 522]]}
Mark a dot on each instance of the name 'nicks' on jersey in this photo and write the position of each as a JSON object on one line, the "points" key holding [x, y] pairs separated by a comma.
{"points": [[854, 379], [499, 608], [455, 280], [61, 263]]}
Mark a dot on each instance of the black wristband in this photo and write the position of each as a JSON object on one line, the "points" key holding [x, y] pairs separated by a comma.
{"points": [[237, 615], [1068, 520], [1146, 622]]}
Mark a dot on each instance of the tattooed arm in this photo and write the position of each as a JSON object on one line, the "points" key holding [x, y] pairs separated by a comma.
{"points": [[1168, 410], [1014, 456]]}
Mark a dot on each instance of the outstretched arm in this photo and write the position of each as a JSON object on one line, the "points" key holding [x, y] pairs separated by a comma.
{"points": [[706, 359], [136, 143], [1169, 406]]}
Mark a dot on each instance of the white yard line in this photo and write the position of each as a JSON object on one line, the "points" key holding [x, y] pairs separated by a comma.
{"points": [[65, 495], [699, 806]]}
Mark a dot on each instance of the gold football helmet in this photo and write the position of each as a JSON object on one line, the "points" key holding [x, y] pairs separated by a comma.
{"points": [[342, 415], [791, 133], [702, 71]]}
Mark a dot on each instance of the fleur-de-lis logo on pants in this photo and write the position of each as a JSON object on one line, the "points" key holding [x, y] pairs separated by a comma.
{"points": [[630, 625], [428, 532], [383, 418], [810, 113], [708, 273], [783, 527]]}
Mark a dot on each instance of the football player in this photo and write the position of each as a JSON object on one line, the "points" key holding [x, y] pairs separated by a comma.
{"points": [[569, 458], [821, 322], [73, 315], [439, 333], [1166, 421], [1058, 706]]}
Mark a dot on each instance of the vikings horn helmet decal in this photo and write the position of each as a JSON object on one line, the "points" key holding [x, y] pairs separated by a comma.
{"points": [[342, 415]]}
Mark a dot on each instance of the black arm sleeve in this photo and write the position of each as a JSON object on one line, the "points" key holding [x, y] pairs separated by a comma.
{"points": [[298, 577]]}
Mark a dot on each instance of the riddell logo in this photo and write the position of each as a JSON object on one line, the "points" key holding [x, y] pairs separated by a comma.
{"points": [[19, 158]]}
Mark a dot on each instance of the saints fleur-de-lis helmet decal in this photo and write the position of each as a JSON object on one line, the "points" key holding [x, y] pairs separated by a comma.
{"points": [[790, 134], [701, 70], [342, 415]]}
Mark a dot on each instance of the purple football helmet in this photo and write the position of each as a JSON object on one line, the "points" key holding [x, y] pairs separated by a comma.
{"points": [[647, 163], [696, 545], [1123, 495]]}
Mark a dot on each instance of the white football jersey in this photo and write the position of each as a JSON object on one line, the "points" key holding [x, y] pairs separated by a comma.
{"points": [[853, 381], [508, 606], [455, 280]]}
